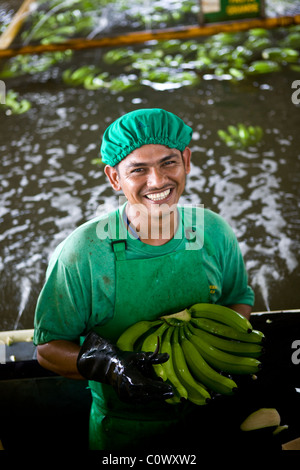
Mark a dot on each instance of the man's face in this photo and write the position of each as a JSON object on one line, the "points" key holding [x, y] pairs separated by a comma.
{"points": [[151, 175]]}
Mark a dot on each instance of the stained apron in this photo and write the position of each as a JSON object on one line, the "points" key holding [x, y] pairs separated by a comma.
{"points": [[145, 289]]}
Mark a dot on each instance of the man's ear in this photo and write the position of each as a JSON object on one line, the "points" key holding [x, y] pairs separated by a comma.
{"points": [[113, 176], [186, 155]]}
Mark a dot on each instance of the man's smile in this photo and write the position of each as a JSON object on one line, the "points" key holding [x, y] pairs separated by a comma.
{"points": [[159, 196]]}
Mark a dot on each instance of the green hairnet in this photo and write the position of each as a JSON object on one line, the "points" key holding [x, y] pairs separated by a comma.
{"points": [[141, 127]]}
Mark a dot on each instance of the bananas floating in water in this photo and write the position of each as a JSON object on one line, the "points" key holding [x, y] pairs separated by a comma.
{"points": [[204, 342], [241, 136]]}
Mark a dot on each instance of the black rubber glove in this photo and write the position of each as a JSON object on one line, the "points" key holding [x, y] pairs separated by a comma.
{"points": [[129, 373]]}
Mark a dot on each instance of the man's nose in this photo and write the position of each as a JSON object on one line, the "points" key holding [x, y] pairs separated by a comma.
{"points": [[156, 178]]}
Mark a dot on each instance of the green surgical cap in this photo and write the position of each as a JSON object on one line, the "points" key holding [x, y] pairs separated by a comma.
{"points": [[142, 127]]}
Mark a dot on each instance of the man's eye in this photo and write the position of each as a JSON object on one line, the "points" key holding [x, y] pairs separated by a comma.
{"points": [[137, 170]]}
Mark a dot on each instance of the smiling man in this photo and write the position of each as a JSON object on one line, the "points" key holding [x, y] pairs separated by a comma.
{"points": [[152, 179], [149, 257]]}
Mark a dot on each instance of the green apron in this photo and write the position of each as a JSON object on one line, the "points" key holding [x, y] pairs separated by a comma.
{"points": [[145, 289]]}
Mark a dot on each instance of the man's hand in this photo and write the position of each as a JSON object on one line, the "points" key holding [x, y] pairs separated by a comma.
{"points": [[129, 373]]}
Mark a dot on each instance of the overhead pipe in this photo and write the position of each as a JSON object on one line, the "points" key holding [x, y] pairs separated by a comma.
{"points": [[136, 37]]}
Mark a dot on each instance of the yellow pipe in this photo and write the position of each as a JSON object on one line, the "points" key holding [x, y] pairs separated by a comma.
{"points": [[181, 32]]}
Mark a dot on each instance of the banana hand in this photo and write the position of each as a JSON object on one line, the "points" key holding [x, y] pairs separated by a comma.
{"points": [[196, 392], [231, 346], [224, 331], [202, 371], [221, 314], [169, 367], [223, 361]]}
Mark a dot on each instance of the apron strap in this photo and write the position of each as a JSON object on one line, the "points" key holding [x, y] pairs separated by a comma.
{"points": [[117, 234], [119, 247]]}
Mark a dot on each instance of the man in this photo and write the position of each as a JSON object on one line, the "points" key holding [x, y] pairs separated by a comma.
{"points": [[149, 257]]}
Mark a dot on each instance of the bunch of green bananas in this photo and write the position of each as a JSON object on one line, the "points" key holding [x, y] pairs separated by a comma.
{"points": [[87, 75], [91, 78], [207, 345], [241, 136], [13, 105]]}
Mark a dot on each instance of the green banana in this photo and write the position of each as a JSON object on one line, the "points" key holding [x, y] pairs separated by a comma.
{"points": [[225, 137], [94, 82], [222, 314], [263, 66], [243, 133], [252, 133], [150, 344], [67, 76], [202, 371], [236, 73], [256, 133], [231, 346], [224, 331], [78, 76], [259, 133], [81, 73], [24, 106], [233, 131], [129, 337], [168, 366], [196, 393], [15, 106], [224, 361]]}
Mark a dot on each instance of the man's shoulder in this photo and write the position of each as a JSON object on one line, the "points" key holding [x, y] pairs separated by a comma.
{"points": [[200, 216], [84, 241], [88, 231], [211, 227], [214, 219]]}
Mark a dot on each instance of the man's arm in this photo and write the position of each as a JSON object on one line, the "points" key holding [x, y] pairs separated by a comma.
{"points": [[100, 360], [60, 356], [243, 309]]}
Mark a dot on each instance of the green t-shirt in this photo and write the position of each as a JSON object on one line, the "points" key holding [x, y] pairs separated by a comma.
{"points": [[79, 292]]}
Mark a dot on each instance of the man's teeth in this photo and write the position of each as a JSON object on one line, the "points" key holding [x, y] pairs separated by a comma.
{"points": [[159, 196]]}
